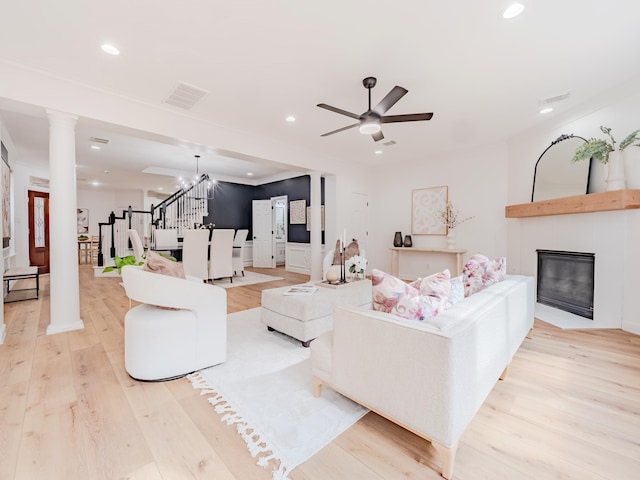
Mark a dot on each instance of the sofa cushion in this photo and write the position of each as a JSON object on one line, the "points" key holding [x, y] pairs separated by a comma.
{"points": [[480, 272], [392, 295], [457, 291], [437, 285]]}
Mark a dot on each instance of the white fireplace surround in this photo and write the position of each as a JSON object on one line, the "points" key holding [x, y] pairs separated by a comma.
{"points": [[614, 237]]}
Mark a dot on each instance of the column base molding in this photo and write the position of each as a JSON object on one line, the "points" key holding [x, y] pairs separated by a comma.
{"points": [[67, 327]]}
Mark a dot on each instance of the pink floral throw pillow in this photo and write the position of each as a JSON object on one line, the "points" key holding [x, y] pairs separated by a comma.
{"points": [[437, 285], [392, 295], [495, 271], [480, 272], [473, 273]]}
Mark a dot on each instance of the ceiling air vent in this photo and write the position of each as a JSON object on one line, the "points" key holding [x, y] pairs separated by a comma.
{"points": [[389, 143], [185, 96], [555, 98], [104, 141]]}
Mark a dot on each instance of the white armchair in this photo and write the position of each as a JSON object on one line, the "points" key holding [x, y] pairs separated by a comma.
{"points": [[165, 238], [239, 242], [180, 327]]}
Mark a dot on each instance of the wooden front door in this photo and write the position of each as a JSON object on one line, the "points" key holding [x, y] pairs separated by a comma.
{"points": [[39, 230]]}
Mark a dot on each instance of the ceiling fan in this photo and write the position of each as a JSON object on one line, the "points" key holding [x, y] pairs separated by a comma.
{"points": [[369, 122]]}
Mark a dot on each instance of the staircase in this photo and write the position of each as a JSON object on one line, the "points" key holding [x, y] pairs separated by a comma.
{"points": [[184, 209]]}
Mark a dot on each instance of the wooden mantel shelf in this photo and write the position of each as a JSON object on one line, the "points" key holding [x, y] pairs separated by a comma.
{"points": [[594, 202]]}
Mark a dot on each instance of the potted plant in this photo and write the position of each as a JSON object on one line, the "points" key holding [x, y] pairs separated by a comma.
{"points": [[604, 151]]}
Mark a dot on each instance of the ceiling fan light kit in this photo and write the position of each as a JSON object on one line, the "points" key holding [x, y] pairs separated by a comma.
{"points": [[369, 123]]}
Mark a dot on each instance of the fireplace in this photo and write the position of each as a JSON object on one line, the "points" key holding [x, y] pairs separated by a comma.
{"points": [[566, 281]]}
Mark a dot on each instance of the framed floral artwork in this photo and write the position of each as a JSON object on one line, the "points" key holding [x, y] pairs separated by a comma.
{"points": [[425, 205]]}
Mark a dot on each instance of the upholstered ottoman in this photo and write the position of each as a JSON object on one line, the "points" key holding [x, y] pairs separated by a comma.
{"points": [[306, 317]]}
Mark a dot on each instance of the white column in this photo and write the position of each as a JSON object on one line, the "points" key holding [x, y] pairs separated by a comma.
{"points": [[64, 282], [316, 227]]}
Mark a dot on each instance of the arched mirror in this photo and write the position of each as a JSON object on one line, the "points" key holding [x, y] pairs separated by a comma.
{"points": [[555, 176]]}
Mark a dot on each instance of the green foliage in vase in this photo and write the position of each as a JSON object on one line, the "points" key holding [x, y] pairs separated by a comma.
{"points": [[599, 149]]}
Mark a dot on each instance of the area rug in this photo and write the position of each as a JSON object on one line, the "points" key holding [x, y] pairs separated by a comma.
{"points": [[265, 389], [249, 278]]}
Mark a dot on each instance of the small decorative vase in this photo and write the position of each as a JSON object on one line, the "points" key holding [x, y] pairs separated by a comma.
{"points": [[397, 239], [615, 171], [451, 240], [333, 274], [407, 241]]}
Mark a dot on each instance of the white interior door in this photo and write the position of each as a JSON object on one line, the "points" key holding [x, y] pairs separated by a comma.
{"points": [[263, 255], [359, 225]]}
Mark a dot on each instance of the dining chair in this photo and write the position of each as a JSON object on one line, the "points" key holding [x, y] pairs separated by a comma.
{"points": [[221, 263], [195, 250], [94, 249], [165, 238], [136, 244], [239, 243]]}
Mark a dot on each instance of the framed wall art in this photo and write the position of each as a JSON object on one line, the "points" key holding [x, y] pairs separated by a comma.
{"points": [[321, 218], [297, 212], [83, 220], [6, 198], [425, 205]]}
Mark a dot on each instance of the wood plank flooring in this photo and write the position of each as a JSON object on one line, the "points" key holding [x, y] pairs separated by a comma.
{"points": [[569, 408]]}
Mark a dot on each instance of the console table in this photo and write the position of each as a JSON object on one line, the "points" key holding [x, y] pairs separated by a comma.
{"points": [[397, 251], [21, 273]]}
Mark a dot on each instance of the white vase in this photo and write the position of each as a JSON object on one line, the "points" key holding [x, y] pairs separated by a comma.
{"points": [[615, 171], [451, 240]]}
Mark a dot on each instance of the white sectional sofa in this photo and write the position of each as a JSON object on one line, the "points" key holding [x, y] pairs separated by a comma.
{"points": [[429, 377]]}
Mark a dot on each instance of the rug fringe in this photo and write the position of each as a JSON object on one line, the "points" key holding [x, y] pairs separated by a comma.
{"points": [[252, 438]]}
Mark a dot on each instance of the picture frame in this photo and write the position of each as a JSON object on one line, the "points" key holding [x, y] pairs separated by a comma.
{"points": [[297, 210], [83, 221], [321, 218], [6, 198], [426, 203]]}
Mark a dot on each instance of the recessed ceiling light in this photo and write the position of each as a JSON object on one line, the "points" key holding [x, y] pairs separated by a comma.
{"points": [[291, 119], [378, 152], [546, 110], [110, 49], [160, 188], [95, 147], [95, 183], [249, 174], [513, 10]]}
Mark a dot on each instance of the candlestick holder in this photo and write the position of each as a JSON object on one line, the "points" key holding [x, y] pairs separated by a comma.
{"points": [[342, 272]]}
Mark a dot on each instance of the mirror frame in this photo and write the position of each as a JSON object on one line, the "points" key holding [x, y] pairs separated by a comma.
{"points": [[555, 142]]}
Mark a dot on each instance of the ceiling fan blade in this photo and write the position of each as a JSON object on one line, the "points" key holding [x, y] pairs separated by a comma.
{"points": [[377, 136], [412, 117], [339, 130], [390, 100], [339, 110]]}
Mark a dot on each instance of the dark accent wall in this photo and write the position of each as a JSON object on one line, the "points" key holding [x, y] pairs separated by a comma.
{"points": [[231, 205]]}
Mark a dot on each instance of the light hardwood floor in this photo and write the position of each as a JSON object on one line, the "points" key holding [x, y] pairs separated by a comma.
{"points": [[569, 408]]}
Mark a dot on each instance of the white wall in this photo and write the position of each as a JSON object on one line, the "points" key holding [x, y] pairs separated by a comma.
{"points": [[476, 181], [613, 236], [102, 202]]}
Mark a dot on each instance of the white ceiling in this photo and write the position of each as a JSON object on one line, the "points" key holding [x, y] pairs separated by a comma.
{"points": [[482, 76]]}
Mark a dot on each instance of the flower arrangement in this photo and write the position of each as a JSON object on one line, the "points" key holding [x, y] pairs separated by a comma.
{"points": [[357, 265], [450, 216], [600, 149]]}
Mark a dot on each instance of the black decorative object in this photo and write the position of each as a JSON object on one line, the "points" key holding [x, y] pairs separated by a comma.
{"points": [[397, 239], [407, 241]]}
